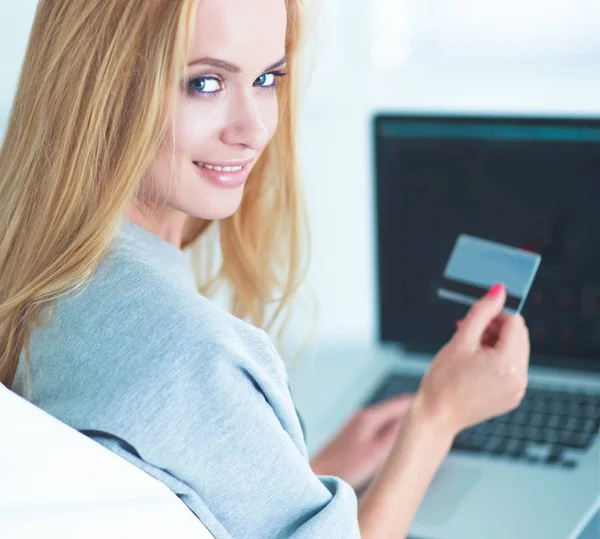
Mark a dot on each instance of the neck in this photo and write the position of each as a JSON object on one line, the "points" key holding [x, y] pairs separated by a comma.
{"points": [[166, 223]]}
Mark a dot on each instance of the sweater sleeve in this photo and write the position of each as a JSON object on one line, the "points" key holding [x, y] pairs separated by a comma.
{"points": [[218, 428]]}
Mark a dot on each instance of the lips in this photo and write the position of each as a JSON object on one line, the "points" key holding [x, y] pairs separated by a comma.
{"points": [[223, 175]]}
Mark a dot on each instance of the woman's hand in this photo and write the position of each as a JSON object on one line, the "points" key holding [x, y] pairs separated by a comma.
{"points": [[361, 447], [482, 371]]}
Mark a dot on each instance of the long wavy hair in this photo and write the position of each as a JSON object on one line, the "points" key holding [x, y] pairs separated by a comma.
{"points": [[98, 88]]}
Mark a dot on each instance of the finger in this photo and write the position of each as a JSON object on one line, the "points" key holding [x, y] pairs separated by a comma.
{"points": [[493, 329], [489, 341], [388, 436], [494, 324], [491, 332], [513, 335], [388, 410], [490, 335], [481, 314]]}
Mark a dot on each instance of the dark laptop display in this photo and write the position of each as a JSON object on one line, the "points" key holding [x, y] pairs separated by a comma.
{"points": [[528, 182]]}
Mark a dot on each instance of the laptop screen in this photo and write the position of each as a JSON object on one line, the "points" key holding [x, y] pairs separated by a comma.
{"points": [[527, 182]]}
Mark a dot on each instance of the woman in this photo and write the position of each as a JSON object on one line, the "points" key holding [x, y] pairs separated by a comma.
{"points": [[137, 127]]}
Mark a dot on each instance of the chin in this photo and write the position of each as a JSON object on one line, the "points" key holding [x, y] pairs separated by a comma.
{"points": [[215, 208]]}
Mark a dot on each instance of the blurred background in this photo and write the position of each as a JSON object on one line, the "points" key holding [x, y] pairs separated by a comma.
{"points": [[498, 56]]}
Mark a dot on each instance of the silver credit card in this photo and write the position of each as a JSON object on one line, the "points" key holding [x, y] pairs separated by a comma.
{"points": [[476, 264]]}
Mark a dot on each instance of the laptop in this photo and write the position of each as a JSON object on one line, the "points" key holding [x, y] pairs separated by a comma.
{"points": [[532, 183]]}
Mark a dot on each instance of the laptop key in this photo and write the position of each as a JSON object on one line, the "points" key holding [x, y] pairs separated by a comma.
{"points": [[551, 436], [594, 400], [495, 445], [517, 432], [501, 431], [478, 441], [537, 420], [522, 417], [486, 429], [538, 451], [515, 448], [572, 423], [500, 448], [554, 456], [534, 434], [540, 406], [572, 409], [586, 426], [556, 407], [506, 419], [463, 442], [576, 440], [590, 411], [555, 422]]}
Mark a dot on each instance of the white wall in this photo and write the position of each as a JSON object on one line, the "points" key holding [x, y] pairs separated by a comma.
{"points": [[497, 56], [519, 56], [15, 23]]}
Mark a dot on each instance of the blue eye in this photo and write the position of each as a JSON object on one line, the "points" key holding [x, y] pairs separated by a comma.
{"points": [[206, 85], [269, 80], [266, 81]]}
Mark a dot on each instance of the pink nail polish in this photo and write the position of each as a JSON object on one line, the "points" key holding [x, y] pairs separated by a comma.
{"points": [[496, 290]]}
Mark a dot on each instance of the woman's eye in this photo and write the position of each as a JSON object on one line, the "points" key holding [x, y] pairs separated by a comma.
{"points": [[266, 81], [206, 85]]}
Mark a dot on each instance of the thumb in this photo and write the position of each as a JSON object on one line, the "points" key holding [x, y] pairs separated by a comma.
{"points": [[481, 315]]}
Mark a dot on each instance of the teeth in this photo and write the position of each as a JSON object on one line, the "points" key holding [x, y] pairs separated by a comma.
{"points": [[219, 169]]}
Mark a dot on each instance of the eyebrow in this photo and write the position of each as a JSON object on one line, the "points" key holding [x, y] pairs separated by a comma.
{"points": [[222, 64]]}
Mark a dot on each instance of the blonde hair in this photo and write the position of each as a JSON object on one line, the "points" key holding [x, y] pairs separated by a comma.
{"points": [[98, 88]]}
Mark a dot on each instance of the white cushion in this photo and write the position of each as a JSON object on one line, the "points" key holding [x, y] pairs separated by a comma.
{"points": [[56, 482]]}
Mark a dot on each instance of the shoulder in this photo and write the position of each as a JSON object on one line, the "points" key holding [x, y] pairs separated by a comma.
{"points": [[132, 319]]}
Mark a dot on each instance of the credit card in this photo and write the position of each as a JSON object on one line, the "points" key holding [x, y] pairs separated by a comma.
{"points": [[476, 264]]}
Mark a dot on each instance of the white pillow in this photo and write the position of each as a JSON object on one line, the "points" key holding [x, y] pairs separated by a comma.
{"points": [[57, 483]]}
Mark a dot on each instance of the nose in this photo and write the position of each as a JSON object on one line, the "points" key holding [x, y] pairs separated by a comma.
{"points": [[245, 124]]}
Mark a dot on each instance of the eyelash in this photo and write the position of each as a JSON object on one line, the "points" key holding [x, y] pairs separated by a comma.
{"points": [[277, 74]]}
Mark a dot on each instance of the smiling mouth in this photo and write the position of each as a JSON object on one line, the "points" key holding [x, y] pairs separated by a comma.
{"points": [[224, 175], [219, 168]]}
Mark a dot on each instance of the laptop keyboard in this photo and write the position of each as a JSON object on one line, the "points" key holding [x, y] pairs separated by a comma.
{"points": [[550, 427]]}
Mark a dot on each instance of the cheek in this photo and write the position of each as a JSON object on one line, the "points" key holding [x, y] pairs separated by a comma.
{"points": [[270, 116], [195, 127]]}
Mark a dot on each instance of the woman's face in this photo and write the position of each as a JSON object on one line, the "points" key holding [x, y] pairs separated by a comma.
{"points": [[228, 112]]}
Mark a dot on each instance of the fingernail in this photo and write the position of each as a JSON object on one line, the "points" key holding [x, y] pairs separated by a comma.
{"points": [[496, 290], [459, 323]]}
